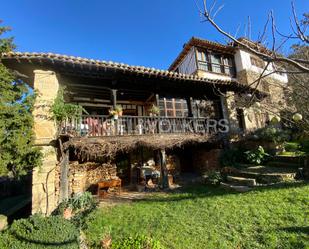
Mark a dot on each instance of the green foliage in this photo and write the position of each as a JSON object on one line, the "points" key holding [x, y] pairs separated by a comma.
{"points": [[292, 146], [271, 134], [232, 157], [39, 232], [17, 153], [305, 145], [154, 110], [62, 111], [256, 156], [137, 242], [81, 204], [214, 178]]}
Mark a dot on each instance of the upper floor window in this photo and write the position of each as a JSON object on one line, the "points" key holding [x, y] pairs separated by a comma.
{"points": [[171, 107], [256, 61], [215, 62]]}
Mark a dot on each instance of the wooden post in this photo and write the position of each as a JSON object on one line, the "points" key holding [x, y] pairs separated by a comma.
{"points": [[189, 104], [114, 103], [157, 100], [164, 172], [158, 121], [64, 177], [114, 97]]}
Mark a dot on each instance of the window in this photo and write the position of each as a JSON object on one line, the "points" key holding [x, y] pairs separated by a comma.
{"points": [[255, 61], [213, 62], [170, 107]]}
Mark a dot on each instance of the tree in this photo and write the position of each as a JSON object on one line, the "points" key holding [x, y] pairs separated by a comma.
{"points": [[17, 153]]}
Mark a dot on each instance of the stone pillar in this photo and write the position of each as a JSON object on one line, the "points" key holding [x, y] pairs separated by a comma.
{"points": [[43, 178], [229, 111]]}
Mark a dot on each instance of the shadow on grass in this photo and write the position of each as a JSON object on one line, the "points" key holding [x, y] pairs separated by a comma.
{"points": [[69, 242], [196, 191], [304, 230]]}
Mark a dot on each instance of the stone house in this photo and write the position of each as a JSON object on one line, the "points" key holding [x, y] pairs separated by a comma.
{"points": [[176, 118]]}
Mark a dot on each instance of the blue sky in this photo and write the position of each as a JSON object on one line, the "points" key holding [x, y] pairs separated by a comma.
{"points": [[138, 32]]}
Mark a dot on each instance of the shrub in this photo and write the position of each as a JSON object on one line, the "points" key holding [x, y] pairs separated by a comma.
{"points": [[256, 156], [271, 134], [291, 146], [305, 145], [81, 204], [137, 242], [214, 178], [39, 232]]}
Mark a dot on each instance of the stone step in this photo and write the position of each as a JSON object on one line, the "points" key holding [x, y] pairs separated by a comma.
{"points": [[241, 180], [290, 159], [284, 164], [237, 188], [266, 174]]}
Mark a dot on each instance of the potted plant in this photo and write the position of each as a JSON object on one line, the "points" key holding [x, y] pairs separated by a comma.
{"points": [[154, 110], [116, 112], [68, 212]]}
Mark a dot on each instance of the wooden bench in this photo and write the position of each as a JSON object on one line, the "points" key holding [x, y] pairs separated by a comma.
{"points": [[105, 185]]}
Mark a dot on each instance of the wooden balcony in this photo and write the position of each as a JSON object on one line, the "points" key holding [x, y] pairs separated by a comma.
{"points": [[103, 125]]}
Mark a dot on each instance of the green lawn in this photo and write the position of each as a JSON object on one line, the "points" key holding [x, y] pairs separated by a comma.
{"points": [[207, 217]]}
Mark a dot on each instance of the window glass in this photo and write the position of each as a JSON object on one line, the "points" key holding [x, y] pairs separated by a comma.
{"points": [[173, 107]]}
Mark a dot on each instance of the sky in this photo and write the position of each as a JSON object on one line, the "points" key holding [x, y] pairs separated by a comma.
{"points": [[137, 32]]}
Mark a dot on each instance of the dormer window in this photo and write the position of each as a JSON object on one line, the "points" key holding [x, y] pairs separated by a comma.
{"points": [[256, 61], [215, 62]]}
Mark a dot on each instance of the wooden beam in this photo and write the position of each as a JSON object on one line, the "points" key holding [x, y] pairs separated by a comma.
{"points": [[164, 172], [114, 97]]}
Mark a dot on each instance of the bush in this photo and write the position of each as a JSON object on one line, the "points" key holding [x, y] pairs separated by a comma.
{"points": [[271, 134], [81, 204], [292, 146], [214, 178], [305, 145], [256, 156], [137, 242], [39, 232]]}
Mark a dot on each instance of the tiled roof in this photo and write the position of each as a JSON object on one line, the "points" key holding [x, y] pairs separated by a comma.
{"points": [[50, 57], [198, 42]]}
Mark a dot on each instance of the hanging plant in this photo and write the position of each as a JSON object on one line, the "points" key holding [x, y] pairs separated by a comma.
{"points": [[62, 111], [117, 111], [154, 110]]}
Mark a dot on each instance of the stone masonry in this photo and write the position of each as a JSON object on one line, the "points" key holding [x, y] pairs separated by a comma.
{"points": [[43, 178]]}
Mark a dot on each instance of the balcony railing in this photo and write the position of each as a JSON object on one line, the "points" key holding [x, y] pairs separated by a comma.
{"points": [[103, 125]]}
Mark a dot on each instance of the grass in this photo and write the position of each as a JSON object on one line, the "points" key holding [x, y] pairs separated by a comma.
{"points": [[209, 217]]}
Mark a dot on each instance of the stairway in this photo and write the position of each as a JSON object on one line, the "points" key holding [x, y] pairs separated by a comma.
{"points": [[246, 177]]}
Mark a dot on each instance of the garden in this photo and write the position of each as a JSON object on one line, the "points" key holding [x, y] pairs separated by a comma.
{"points": [[271, 213]]}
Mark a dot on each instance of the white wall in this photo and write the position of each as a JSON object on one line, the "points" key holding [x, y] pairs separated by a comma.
{"points": [[243, 62]]}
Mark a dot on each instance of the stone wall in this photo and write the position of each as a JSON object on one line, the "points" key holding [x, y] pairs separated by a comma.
{"points": [[269, 106], [84, 176], [204, 161], [43, 178]]}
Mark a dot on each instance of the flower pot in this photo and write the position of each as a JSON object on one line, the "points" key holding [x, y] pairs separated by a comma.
{"points": [[68, 213]]}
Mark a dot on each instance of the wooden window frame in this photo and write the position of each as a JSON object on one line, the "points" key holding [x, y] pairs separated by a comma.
{"points": [[210, 64]]}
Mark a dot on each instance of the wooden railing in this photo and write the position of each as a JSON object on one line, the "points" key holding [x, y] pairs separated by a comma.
{"points": [[103, 125]]}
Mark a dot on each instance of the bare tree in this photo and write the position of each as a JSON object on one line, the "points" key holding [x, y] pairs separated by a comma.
{"points": [[267, 47]]}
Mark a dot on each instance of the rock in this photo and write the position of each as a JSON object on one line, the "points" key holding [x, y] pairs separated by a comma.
{"points": [[241, 180], [3, 222]]}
